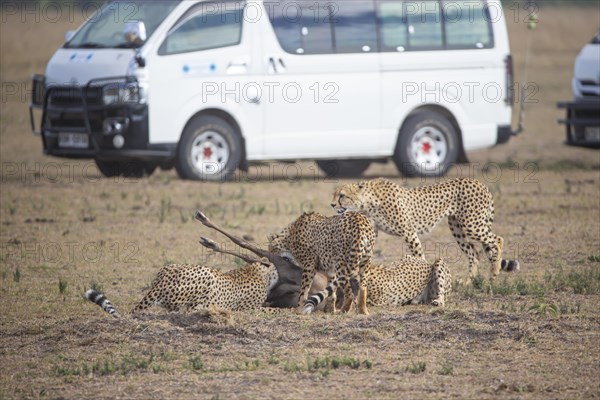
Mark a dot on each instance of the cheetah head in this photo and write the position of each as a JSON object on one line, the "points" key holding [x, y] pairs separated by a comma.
{"points": [[349, 197], [268, 270]]}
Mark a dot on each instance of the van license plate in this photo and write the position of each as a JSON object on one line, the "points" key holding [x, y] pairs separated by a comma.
{"points": [[73, 140]]}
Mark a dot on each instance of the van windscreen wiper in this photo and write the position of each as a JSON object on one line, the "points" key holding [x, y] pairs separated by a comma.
{"points": [[127, 45], [88, 45]]}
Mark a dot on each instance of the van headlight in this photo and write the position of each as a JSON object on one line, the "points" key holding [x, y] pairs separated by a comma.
{"points": [[121, 93]]}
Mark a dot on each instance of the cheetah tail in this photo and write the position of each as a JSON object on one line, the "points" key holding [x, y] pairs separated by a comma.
{"points": [[96, 297], [510, 265]]}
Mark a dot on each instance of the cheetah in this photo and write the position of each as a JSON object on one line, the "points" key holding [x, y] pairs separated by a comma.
{"points": [[406, 212], [185, 287], [409, 280], [339, 246]]}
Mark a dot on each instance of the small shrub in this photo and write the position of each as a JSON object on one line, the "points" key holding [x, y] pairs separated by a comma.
{"points": [[165, 207], [196, 363], [183, 216], [543, 308], [594, 258], [96, 286], [446, 369], [477, 282], [586, 281], [503, 288], [104, 368], [156, 368], [292, 367], [416, 368], [62, 286], [17, 275]]}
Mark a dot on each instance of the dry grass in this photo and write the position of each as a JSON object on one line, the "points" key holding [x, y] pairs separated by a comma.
{"points": [[534, 335]]}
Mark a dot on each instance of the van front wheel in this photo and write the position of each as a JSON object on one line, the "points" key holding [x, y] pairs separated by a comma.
{"points": [[209, 150], [427, 146]]}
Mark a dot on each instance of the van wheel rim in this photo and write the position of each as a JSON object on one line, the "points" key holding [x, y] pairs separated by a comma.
{"points": [[429, 147], [210, 153]]}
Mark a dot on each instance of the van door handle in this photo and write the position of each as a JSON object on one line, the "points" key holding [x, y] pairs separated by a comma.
{"points": [[282, 65], [272, 67], [276, 66], [237, 67]]}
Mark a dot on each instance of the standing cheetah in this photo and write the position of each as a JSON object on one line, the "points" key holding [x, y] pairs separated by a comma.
{"points": [[405, 212], [339, 246]]}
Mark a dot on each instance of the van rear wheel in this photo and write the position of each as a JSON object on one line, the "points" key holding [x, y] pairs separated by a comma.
{"points": [[209, 150], [428, 145], [343, 168]]}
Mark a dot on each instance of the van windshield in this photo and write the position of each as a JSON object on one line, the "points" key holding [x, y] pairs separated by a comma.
{"points": [[106, 28]]}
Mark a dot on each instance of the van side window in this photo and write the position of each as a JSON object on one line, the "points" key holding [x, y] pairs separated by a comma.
{"points": [[324, 27], [411, 25], [467, 25], [206, 26], [433, 25], [393, 27], [354, 26], [301, 27]]}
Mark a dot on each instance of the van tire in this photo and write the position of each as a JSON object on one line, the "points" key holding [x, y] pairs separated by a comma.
{"points": [[220, 144], [428, 145], [343, 168], [127, 169]]}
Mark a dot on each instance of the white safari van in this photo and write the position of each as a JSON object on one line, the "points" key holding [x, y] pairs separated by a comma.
{"points": [[209, 87]]}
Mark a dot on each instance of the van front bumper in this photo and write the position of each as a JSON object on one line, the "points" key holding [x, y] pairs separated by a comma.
{"points": [[76, 123]]}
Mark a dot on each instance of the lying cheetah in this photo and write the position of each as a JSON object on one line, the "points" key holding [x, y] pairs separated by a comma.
{"points": [[410, 280], [183, 287], [339, 246], [400, 211]]}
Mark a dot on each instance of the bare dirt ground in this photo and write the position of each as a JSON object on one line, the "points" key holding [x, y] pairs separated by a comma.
{"points": [[534, 334]]}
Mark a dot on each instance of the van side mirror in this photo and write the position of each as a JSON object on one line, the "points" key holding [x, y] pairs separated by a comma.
{"points": [[69, 35], [135, 33]]}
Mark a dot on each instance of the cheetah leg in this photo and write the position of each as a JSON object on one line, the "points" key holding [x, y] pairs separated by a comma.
{"points": [[308, 274], [362, 300], [462, 238], [330, 303], [414, 243], [147, 301], [348, 297], [362, 294], [493, 245], [438, 284], [422, 297]]}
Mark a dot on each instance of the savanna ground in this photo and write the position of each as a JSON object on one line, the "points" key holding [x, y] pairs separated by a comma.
{"points": [[535, 335]]}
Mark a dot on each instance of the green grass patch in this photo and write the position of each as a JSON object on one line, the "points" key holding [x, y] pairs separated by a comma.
{"points": [[195, 363], [582, 280], [125, 365], [446, 369], [416, 367], [62, 286]]}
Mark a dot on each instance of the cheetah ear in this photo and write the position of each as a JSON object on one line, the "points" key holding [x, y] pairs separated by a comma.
{"points": [[361, 185], [272, 236]]}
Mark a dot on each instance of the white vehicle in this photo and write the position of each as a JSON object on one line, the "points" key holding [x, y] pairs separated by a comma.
{"points": [[583, 113], [208, 87]]}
